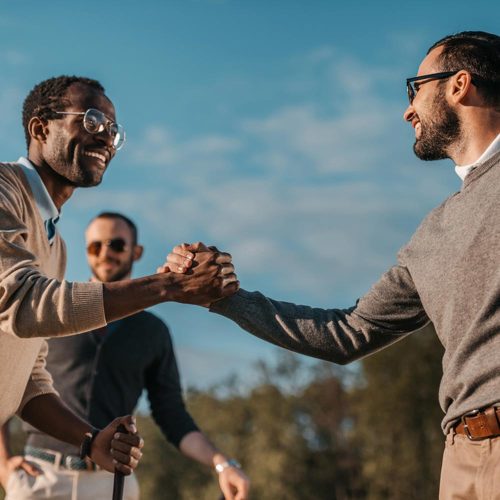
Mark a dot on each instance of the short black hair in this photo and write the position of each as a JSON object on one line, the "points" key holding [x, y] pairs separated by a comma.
{"points": [[477, 52], [48, 96], [124, 218]]}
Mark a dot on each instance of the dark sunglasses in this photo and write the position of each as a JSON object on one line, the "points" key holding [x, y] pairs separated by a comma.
{"points": [[412, 87], [116, 244]]}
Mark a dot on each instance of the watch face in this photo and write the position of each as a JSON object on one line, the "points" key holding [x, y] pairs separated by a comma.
{"points": [[224, 465]]}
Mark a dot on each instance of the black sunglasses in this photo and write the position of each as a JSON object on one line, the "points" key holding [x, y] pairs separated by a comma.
{"points": [[116, 244], [412, 87]]}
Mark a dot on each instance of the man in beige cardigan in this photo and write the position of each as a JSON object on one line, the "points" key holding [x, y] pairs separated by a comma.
{"points": [[71, 136]]}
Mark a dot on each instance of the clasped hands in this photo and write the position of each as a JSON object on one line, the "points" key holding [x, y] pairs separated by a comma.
{"points": [[201, 275]]}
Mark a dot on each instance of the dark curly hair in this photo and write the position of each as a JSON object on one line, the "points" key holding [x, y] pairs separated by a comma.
{"points": [[48, 96], [478, 53]]}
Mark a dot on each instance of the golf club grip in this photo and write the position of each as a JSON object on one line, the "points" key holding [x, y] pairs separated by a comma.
{"points": [[119, 478]]}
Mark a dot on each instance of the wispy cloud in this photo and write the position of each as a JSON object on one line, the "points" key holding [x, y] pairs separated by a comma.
{"points": [[158, 147], [301, 137]]}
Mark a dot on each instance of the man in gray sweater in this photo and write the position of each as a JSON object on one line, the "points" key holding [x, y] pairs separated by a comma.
{"points": [[448, 274]]}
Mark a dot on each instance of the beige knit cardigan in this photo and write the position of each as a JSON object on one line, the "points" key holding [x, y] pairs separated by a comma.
{"points": [[35, 301]]}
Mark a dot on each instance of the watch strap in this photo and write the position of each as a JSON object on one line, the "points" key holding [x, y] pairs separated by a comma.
{"points": [[228, 463], [88, 439]]}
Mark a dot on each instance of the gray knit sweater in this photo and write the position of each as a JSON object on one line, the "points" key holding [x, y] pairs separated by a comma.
{"points": [[449, 273]]}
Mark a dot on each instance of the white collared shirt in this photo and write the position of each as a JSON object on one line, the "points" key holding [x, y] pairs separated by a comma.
{"points": [[463, 170], [48, 211]]}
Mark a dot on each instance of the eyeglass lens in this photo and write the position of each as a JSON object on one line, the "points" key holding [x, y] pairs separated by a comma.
{"points": [[410, 91], [96, 121], [116, 244]]}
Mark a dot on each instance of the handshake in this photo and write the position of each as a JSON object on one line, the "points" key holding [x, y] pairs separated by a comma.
{"points": [[199, 275]]}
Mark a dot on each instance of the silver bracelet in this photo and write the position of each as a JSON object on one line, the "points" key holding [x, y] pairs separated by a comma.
{"points": [[229, 463]]}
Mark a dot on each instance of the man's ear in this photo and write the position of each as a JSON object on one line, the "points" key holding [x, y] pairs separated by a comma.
{"points": [[38, 129], [461, 86], [138, 251]]}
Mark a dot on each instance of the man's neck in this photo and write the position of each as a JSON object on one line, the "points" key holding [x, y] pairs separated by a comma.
{"points": [[59, 189], [475, 139]]}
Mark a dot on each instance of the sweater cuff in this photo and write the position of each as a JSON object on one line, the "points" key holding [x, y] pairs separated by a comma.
{"points": [[88, 306], [33, 393], [233, 303]]}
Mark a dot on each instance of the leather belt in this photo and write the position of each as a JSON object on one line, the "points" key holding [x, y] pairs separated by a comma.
{"points": [[71, 462], [480, 424]]}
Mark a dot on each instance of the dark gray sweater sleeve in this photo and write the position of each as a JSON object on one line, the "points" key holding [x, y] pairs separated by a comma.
{"points": [[388, 312]]}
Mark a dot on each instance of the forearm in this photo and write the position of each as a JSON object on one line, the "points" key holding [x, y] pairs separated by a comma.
{"points": [[201, 285], [335, 335], [322, 333], [50, 415], [197, 446], [33, 305], [127, 297]]}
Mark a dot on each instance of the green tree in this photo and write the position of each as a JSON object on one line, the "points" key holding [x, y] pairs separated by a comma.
{"points": [[289, 432], [397, 419]]}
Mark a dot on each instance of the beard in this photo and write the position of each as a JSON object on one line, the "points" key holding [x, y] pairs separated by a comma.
{"points": [[439, 132], [70, 164], [118, 274]]}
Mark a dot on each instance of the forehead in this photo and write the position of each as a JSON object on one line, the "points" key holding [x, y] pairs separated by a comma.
{"points": [[430, 64], [108, 228], [82, 97]]}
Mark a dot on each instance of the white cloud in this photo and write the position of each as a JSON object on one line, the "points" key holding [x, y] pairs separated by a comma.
{"points": [[302, 138], [159, 147]]}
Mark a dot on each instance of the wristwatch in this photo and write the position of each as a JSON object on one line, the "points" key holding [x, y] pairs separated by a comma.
{"points": [[86, 445], [228, 463]]}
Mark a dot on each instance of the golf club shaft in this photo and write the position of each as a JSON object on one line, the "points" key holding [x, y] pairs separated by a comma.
{"points": [[119, 479]]}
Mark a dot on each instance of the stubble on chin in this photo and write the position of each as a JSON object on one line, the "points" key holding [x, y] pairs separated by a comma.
{"points": [[439, 133], [117, 275]]}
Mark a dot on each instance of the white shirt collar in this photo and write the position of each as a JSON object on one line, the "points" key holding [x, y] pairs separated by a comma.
{"points": [[463, 170], [44, 202]]}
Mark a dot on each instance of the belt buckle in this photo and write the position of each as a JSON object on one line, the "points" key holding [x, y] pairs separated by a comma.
{"points": [[463, 418]]}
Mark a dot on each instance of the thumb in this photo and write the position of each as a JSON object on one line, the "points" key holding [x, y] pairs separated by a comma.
{"points": [[195, 247], [128, 422]]}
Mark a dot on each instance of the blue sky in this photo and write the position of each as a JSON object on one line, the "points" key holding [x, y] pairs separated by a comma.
{"points": [[271, 129]]}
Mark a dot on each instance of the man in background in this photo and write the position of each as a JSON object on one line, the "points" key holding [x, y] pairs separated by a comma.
{"points": [[103, 374]]}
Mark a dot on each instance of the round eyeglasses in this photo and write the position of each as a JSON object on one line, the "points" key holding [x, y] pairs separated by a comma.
{"points": [[95, 122]]}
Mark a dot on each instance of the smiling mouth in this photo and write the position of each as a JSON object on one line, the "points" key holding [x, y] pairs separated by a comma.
{"points": [[107, 263], [94, 154]]}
